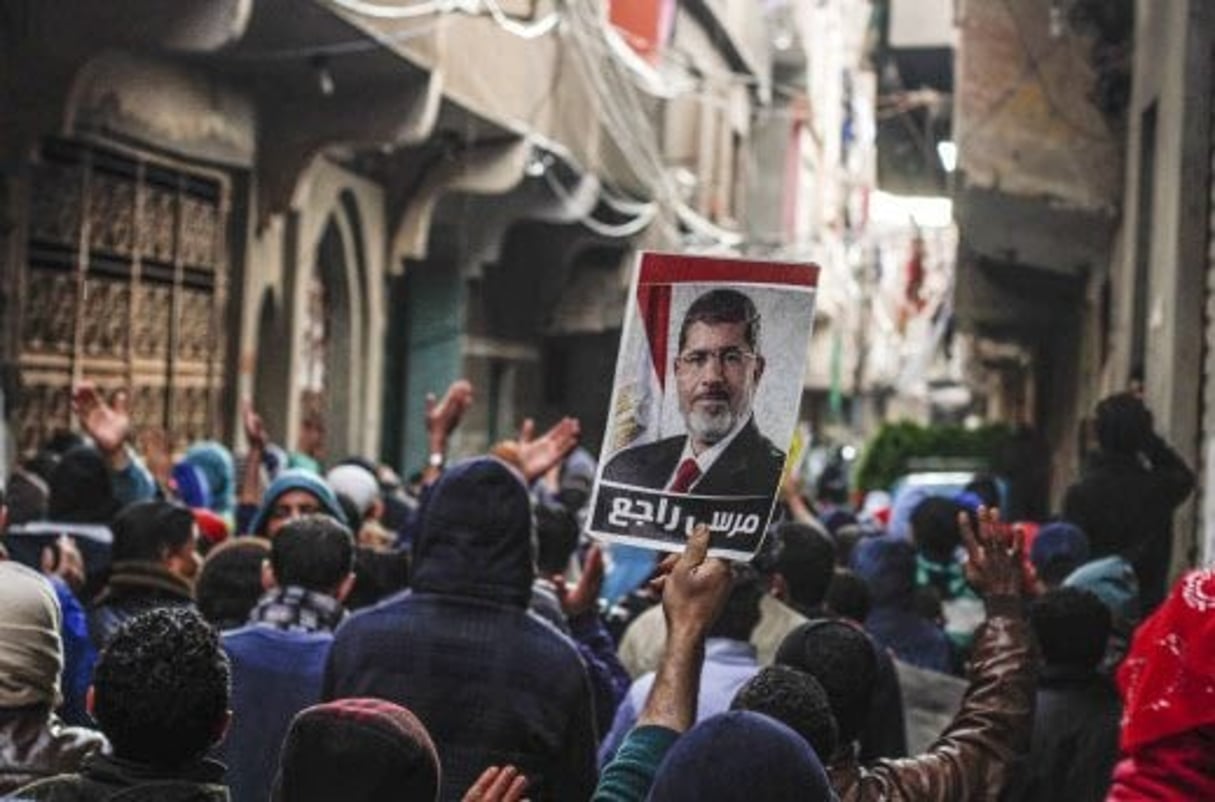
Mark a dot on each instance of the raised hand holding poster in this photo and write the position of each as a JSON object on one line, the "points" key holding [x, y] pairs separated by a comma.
{"points": [[705, 401]]}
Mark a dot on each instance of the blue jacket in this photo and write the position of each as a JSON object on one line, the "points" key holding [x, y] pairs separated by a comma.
{"points": [[493, 683], [275, 674], [729, 664], [888, 566]]}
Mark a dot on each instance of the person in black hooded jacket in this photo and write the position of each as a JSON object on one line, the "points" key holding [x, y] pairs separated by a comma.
{"points": [[493, 683]]}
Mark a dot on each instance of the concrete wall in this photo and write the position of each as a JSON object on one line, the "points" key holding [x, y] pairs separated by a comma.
{"points": [[1172, 69]]}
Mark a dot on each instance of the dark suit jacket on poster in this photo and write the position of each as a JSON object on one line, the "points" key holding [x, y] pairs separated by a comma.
{"points": [[750, 466]]}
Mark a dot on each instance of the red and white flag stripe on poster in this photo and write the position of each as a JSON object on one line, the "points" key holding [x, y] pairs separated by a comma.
{"points": [[751, 414]]}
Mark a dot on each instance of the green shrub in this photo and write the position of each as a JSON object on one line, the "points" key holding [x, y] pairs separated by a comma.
{"points": [[891, 452]]}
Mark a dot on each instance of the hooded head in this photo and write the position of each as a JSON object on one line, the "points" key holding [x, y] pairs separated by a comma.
{"points": [[361, 750], [1058, 549], [215, 462], [192, 487], [81, 490], [741, 756], [290, 481], [476, 535], [888, 568], [31, 653]]}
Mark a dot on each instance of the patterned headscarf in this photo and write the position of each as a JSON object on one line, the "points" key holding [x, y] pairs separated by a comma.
{"points": [[1168, 679]]}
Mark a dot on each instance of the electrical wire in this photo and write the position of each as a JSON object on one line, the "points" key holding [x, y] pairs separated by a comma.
{"points": [[529, 30], [423, 9], [613, 231]]}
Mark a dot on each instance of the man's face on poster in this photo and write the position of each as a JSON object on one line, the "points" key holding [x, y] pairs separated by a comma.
{"points": [[716, 373]]}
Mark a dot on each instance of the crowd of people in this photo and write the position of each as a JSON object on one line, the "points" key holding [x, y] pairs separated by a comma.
{"points": [[192, 626]]}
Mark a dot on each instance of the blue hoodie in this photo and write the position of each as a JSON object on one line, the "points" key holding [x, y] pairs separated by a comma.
{"points": [[295, 479]]}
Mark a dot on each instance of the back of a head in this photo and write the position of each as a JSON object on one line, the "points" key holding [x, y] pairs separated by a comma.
{"points": [[377, 575], [740, 615], [887, 567], [934, 526], [31, 652], [1058, 549], [161, 688], [357, 483], [556, 538], [1073, 628], [314, 552], [1123, 424], [984, 487], [741, 756], [805, 557], [843, 660], [149, 530], [832, 485], [81, 490], [217, 465], [476, 535], [357, 750], [848, 596], [795, 699], [230, 581]]}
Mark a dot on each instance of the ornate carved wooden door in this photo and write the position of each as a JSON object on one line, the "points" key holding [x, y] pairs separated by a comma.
{"points": [[124, 284]]}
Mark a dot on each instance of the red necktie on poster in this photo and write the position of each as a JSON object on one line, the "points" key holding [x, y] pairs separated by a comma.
{"points": [[685, 476]]}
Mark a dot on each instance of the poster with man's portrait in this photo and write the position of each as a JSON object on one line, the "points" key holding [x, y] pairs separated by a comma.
{"points": [[705, 401]]}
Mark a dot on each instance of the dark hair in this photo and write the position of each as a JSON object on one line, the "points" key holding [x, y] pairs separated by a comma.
{"points": [[351, 510], [314, 552], [230, 581], [161, 686], [741, 613], [723, 306], [1073, 627], [795, 699], [377, 574], [843, 660], [1123, 424], [934, 526], [805, 556], [81, 488], [832, 485], [984, 486], [556, 538], [848, 596], [149, 530]]}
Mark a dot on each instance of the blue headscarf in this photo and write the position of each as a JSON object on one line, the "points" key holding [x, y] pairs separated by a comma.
{"points": [[296, 479], [216, 463]]}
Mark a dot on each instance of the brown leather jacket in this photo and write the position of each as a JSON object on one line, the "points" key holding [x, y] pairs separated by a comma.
{"points": [[971, 759], [35, 744]]}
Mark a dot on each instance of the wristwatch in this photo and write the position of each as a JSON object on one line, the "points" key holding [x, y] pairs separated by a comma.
{"points": [[435, 460]]}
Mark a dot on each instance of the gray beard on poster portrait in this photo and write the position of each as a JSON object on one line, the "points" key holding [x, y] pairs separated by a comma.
{"points": [[750, 466]]}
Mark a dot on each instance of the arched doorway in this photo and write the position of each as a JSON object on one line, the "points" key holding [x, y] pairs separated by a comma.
{"points": [[326, 375]]}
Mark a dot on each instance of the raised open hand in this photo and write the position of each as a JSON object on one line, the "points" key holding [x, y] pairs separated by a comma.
{"points": [[537, 455], [108, 424], [498, 784], [443, 415], [255, 427], [993, 555], [585, 595]]}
